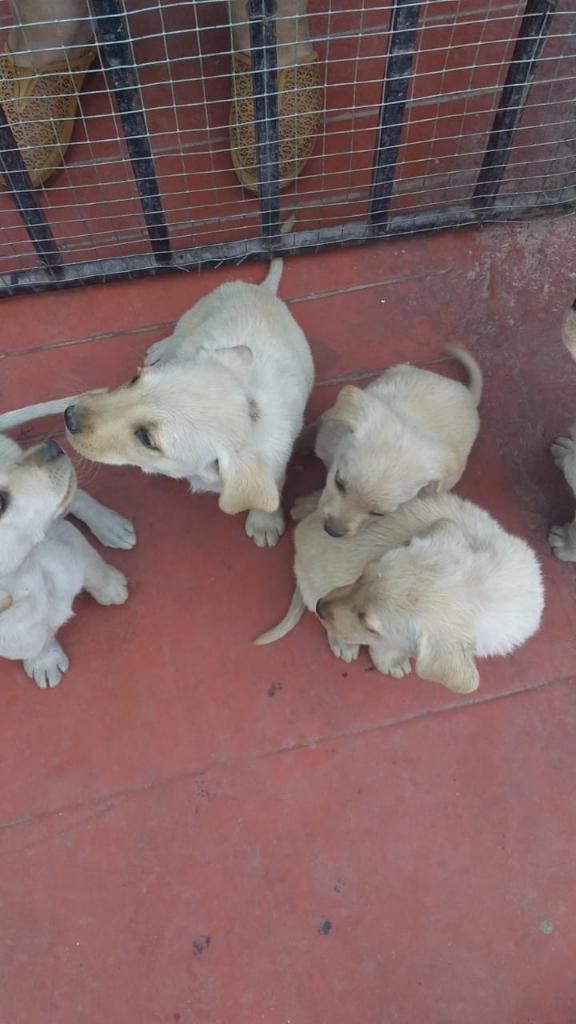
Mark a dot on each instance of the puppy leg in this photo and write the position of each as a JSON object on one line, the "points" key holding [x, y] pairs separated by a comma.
{"points": [[562, 540], [102, 581], [109, 527], [390, 662], [563, 452], [305, 505], [346, 652], [48, 667], [266, 528]]}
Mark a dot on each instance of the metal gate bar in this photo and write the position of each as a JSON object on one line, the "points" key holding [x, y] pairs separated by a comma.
{"points": [[118, 60], [265, 92], [401, 49], [533, 31], [18, 181]]}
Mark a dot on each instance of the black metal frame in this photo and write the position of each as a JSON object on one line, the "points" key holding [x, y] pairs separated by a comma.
{"points": [[484, 205]]}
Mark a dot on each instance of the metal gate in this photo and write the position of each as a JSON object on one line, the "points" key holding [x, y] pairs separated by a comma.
{"points": [[440, 113]]}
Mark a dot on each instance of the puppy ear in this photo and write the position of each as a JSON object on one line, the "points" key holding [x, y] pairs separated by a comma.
{"points": [[247, 484], [447, 660], [237, 359], [442, 481], [6, 601], [349, 407]]}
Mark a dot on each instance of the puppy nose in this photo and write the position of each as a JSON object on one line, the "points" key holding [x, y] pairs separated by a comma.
{"points": [[52, 450], [72, 419], [320, 609], [332, 530]]}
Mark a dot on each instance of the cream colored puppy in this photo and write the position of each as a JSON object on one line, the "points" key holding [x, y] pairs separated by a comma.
{"points": [[439, 581], [409, 432], [219, 403], [44, 561], [562, 539]]}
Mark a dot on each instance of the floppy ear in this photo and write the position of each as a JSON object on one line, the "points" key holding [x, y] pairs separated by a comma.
{"points": [[447, 660], [237, 359], [247, 484], [349, 407], [441, 481], [6, 601]]}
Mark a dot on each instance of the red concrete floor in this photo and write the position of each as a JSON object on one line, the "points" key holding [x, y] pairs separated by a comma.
{"points": [[198, 830]]}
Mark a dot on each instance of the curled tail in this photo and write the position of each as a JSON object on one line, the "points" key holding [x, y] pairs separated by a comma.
{"points": [[272, 279], [475, 375], [569, 330], [8, 420], [291, 619]]}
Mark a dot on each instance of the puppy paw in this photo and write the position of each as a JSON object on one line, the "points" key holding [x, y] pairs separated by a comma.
{"points": [[390, 664], [265, 528], [155, 353], [562, 543], [113, 530], [114, 589], [346, 652], [561, 449], [48, 668]]}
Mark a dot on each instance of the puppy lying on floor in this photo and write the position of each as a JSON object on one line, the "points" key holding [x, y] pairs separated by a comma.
{"points": [[409, 432], [44, 561], [439, 581], [219, 403]]}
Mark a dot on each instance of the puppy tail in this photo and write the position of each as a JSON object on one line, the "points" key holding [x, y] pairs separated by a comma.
{"points": [[291, 619], [272, 279], [8, 420], [475, 375], [569, 330]]}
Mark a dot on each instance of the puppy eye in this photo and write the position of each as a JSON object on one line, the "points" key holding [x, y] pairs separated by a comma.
{"points": [[133, 381], [374, 513], [144, 437], [4, 501], [340, 483]]}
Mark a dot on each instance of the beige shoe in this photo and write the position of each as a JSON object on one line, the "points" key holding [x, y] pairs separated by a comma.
{"points": [[41, 108], [300, 107]]}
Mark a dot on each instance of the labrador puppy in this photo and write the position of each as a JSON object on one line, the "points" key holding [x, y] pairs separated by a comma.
{"points": [[44, 561], [409, 432], [562, 539], [439, 581], [219, 403]]}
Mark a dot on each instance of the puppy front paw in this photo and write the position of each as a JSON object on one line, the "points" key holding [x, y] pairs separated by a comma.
{"points": [[562, 543], [265, 528], [113, 590], [390, 664], [114, 530], [48, 668], [346, 652]]}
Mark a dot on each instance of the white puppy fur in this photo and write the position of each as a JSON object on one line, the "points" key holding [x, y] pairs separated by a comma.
{"points": [[439, 581], [219, 403], [44, 560], [409, 432]]}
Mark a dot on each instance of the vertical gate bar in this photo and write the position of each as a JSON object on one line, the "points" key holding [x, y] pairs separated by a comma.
{"points": [[262, 15], [17, 179], [399, 59], [521, 71], [118, 60]]}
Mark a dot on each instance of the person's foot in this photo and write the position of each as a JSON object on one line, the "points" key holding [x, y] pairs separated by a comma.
{"points": [[41, 104], [300, 106]]}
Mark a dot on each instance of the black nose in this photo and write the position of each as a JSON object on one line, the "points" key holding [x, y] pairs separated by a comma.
{"points": [[71, 419], [332, 530], [320, 609], [52, 450]]}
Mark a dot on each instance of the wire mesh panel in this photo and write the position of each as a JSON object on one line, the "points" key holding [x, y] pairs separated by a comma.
{"points": [[422, 115]]}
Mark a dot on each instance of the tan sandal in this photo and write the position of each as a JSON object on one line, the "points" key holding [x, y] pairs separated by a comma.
{"points": [[300, 106], [41, 108]]}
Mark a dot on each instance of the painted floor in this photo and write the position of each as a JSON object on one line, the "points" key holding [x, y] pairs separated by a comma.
{"points": [[194, 829]]}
